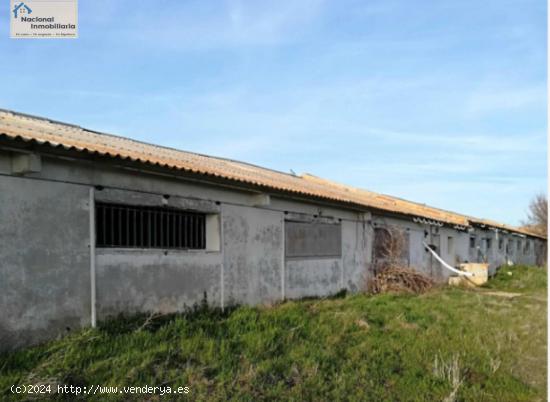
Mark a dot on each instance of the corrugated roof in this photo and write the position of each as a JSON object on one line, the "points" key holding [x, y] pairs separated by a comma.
{"points": [[422, 210], [43, 131], [393, 204], [502, 226]]}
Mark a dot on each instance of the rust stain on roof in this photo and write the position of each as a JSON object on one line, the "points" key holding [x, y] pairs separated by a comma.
{"points": [[43, 131]]}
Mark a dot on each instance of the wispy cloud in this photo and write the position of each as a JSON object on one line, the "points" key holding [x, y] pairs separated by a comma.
{"points": [[497, 98], [217, 25], [439, 102]]}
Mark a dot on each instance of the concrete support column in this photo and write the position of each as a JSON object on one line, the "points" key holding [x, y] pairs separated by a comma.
{"points": [[283, 264], [91, 206], [222, 267]]}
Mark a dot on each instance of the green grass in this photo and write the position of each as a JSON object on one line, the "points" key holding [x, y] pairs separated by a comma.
{"points": [[518, 278], [450, 343]]}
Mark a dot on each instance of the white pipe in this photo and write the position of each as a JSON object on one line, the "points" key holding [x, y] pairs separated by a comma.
{"points": [[438, 258], [91, 206]]}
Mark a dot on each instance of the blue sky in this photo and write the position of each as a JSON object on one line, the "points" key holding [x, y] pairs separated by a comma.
{"points": [[441, 102]]}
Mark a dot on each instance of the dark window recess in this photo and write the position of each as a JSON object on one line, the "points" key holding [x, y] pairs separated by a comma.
{"points": [[149, 227], [382, 238], [304, 239], [472, 242]]}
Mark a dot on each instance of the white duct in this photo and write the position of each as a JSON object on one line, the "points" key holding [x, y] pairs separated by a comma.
{"points": [[438, 258]]}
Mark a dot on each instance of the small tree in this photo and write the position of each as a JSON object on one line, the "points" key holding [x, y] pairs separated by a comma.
{"points": [[537, 214]]}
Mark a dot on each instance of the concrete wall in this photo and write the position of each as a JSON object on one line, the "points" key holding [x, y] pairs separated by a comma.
{"points": [[501, 248], [419, 257], [252, 255], [44, 260], [45, 255], [132, 280], [356, 252]]}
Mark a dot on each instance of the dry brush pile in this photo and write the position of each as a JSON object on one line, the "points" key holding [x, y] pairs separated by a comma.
{"points": [[390, 273], [396, 279]]}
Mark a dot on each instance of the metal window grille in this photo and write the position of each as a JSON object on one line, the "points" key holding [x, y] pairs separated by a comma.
{"points": [[132, 226]]}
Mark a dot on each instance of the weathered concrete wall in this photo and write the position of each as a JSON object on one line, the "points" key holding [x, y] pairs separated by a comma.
{"points": [[165, 281], [418, 233], [461, 250], [356, 252], [252, 255], [313, 277], [132, 280], [44, 260], [44, 254], [501, 248]]}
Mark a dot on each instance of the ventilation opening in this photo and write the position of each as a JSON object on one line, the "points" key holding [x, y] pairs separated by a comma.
{"points": [[149, 227], [312, 239]]}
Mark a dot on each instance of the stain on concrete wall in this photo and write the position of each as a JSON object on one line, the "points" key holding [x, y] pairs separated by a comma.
{"points": [[313, 277], [356, 253], [163, 281], [44, 254], [253, 255], [419, 258], [44, 260]]}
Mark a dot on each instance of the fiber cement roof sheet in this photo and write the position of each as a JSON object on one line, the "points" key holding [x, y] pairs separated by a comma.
{"points": [[44, 131]]}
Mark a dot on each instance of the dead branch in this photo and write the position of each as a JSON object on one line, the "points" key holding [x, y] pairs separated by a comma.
{"points": [[395, 279]]}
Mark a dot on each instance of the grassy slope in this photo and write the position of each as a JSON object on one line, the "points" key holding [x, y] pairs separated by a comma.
{"points": [[387, 347]]}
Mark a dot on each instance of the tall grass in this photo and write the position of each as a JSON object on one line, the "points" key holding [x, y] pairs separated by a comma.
{"points": [[449, 344]]}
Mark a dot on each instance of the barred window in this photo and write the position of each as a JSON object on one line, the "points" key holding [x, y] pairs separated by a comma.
{"points": [[132, 226]]}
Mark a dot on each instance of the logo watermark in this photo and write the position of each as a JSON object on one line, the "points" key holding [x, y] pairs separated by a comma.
{"points": [[43, 19]]}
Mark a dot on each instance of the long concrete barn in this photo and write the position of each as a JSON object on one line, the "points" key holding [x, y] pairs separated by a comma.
{"points": [[92, 225]]}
